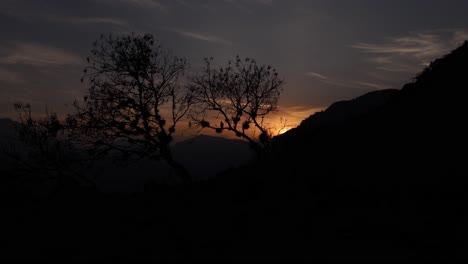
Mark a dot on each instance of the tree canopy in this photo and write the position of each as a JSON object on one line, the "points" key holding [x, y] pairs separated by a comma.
{"points": [[134, 100], [242, 93]]}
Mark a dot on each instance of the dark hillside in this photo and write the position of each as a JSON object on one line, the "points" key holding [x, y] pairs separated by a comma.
{"points": [[381, 177], [393, 175]]}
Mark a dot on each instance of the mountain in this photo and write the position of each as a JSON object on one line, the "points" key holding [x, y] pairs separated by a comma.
{"points": [[340, 113], [205, 156], [383, 180], [430, 105]]}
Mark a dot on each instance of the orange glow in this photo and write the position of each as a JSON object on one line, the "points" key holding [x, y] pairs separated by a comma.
{"points": [[279, 123], [289, 117], [284, 130]]}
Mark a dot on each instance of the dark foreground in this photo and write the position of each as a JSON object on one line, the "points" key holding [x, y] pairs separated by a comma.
{"points": [[213, 221], [360, 181]]}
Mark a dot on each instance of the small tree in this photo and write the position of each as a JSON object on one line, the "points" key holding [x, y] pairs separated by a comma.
{"points": [[134, 101], [45, 154], [243, 93]]}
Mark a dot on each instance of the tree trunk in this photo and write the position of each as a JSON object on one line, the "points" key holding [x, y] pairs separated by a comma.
{"points": [[178, 168]]}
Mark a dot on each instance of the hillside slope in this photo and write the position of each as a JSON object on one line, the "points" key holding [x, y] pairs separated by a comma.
{"points": [[388, 182]]}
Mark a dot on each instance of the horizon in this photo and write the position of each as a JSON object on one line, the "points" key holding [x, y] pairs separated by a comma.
{"points": [[324, 54]]}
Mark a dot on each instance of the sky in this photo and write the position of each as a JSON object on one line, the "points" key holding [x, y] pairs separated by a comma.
{"points": [[326, 50]]}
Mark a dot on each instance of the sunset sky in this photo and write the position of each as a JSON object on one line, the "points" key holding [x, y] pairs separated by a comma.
{"points": [[326, 50]]}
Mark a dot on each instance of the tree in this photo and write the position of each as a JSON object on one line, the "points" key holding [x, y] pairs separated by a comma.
{"points": [[243, 93], [134, 100], [44, 155]]}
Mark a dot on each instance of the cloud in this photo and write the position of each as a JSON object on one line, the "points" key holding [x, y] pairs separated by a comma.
{"points": [[91, 20], [263, 2], [315, 75], [183, 3], [38, 55], [377, 86], [298, 112], [147, 4], [10, 76], [203, 37], [408, 53], [292, 116], [353, 84], [419, 46], [245, 6], [152, 4]]}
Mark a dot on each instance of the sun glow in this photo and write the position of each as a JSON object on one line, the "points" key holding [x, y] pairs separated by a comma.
{"points": [[284, 130], [289, 118]]}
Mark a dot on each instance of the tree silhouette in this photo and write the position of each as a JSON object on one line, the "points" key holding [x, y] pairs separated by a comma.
{"points": [[243, 93], [45, 153], [134, 100]]}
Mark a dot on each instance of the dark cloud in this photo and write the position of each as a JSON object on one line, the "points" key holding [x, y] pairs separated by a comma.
{"points": [[327, 50]]}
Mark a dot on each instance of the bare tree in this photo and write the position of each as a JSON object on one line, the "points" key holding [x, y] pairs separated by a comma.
{"points": [[134, 101], [242, 94]]}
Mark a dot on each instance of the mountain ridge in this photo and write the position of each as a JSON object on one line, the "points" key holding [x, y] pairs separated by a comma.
{"points": [[341, 112], [388, 182]]}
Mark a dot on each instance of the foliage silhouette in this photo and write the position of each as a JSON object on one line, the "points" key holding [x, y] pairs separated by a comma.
{"points": [[134, 101], [45, 151], [242, 93]]}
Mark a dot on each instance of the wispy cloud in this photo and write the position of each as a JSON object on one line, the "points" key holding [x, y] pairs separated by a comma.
{"points": [[38, 55], [408, 53], [373, 85], [353, 84], [298, 112], [419, 46], [203, 37], [294, 115], [315, 75], [91, 20]]}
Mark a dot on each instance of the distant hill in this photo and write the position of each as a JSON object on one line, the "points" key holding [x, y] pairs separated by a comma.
{"points": [[7, 127], [205, 156]]}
